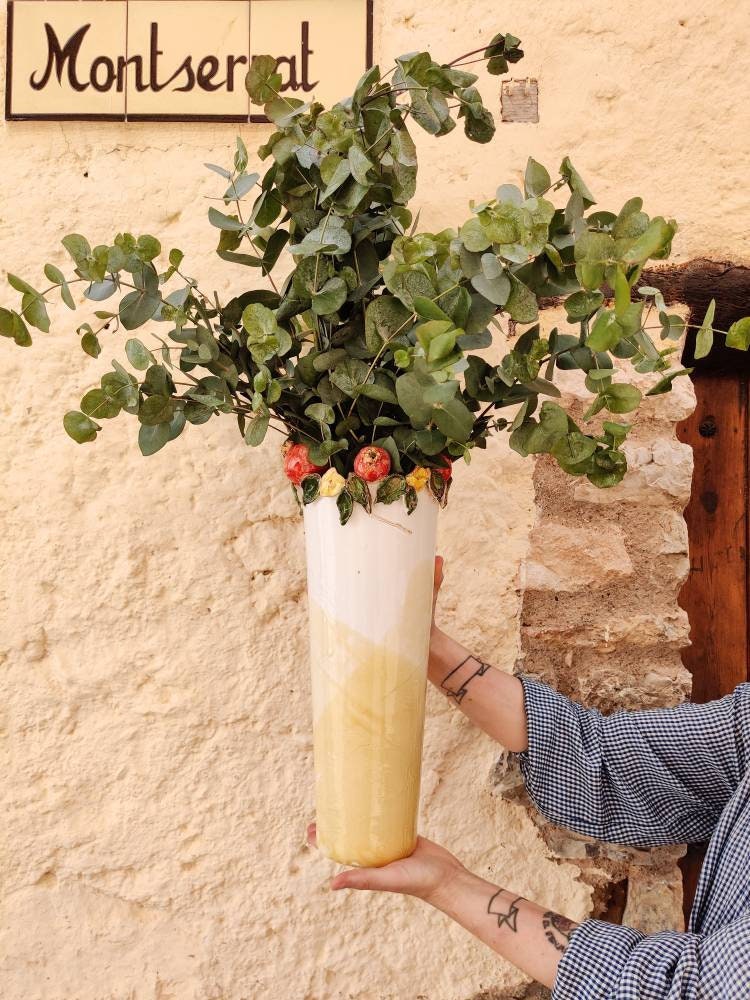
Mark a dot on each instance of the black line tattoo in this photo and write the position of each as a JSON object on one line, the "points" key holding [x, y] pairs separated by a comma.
{"points": [[557, 930], [462, 676], [510, 918]]}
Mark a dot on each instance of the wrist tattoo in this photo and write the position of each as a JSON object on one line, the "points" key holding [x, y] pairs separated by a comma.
{"points": [[456, 683], [557, 929], [507, 915]]}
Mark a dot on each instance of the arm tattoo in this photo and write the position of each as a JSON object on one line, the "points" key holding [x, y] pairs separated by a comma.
{"points": [[557, 929], [455, 683], [508, 916]]}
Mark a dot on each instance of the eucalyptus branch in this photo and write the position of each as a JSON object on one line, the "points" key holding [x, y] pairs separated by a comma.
{"points": [[316, 356], [266, 274], [467, 55]]}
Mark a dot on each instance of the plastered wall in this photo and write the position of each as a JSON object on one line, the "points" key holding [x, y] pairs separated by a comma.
{"points": [[155, 745]]}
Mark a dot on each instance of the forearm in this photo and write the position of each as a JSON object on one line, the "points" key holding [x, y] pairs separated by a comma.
{"points": [[527, 935], [492, 699]]}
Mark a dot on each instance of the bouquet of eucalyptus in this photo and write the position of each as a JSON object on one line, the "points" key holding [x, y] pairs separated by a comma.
{"points": [[364, 356]]}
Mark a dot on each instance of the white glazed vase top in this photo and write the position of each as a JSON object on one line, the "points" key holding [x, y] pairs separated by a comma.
{"points": [[370, 599]]}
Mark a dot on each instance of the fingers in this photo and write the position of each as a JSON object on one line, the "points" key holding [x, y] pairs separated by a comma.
{"points": [[353, 878], [439, 568], [357, 878]]}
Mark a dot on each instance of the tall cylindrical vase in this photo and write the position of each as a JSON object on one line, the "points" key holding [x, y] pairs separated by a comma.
{"points": [[370, 598]]}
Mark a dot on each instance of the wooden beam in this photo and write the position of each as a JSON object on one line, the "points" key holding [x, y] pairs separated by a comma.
{"points": [[715, 592], [695, 283]]}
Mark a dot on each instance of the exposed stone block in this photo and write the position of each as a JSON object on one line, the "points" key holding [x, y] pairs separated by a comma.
{"points": [[564, 558], [654, 900]]}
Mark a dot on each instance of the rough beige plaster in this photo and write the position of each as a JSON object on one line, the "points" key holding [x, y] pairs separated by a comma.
{"points": [[156, 751]]}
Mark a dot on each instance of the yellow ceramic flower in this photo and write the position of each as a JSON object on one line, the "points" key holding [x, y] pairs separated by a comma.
{"points": [[418, 478], [331, 483]]}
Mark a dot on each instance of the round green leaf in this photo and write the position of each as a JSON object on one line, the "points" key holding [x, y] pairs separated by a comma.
{"points": [[536, 179], [384, 316], [262, 82], [522, 304], [138, 354], [582, 304], [156, 410], [147, 248], [96, 403], [495, 290], [330, 298], [621, 397], [738, 335], [80, 427], [90, 344], [152, 438], [137, 308]]}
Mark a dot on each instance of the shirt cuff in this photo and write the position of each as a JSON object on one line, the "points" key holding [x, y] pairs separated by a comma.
{"points": [[542, 706], [593, 962]]}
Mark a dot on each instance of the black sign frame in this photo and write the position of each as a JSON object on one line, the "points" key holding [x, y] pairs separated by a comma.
{"points": [[248, 119]]}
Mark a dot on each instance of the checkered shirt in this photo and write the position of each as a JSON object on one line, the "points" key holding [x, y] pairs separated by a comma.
{"points": [[658, 776]]}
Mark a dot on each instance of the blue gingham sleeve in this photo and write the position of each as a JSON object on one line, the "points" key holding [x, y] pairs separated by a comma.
{"points": [[607, 962], [657, 776]]}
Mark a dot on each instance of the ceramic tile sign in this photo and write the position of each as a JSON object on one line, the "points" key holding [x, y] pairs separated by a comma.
{"points": [[176, 60]]}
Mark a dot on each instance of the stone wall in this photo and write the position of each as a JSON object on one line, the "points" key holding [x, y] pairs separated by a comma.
{"points": [[155, 739], [600, 622]]}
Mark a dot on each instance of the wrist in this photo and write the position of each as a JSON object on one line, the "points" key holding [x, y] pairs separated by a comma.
{"points": [[437, 655], [458, 883]]}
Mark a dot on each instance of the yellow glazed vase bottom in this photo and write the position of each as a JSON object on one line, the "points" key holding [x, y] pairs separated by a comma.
{"points": [[368, 730]]}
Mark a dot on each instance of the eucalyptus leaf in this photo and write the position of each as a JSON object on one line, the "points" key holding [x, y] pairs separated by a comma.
{"points": [[522, 304], [263, 81], [321, 452], [137, 307], [257, 427], [330, 298], [665, 384], [384, 317], [138, 355], [536, 179], [621, 397], [582, 304], [454, 419], [653, 241], [349, 375], [705, 337], [496, 290], [80, 427], [35, 311], [152, 438], [229, 223], [90, 344], [156, 410], [98, 404], [98, 291], [738, 335]]}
